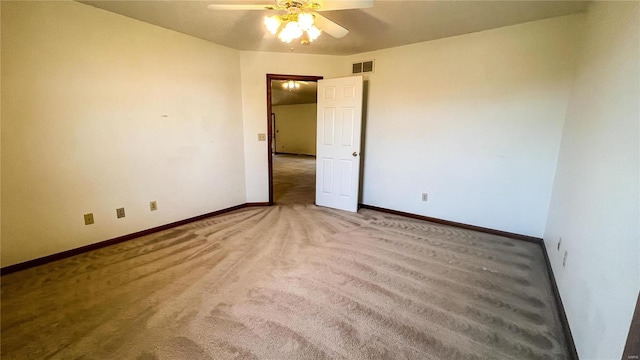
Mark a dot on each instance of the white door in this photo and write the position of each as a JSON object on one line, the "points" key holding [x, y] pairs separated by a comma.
{"points": [[338, 143]]}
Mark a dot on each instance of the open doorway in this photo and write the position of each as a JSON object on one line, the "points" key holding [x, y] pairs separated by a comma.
{"points": [[291, 135]]}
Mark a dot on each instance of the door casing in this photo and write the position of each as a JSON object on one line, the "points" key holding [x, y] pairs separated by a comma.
{"points": [[270, 129]]}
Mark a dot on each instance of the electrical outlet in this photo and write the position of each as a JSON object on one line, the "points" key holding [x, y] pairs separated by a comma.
{"points": [[153, 206], [88, 219], [425, 196], [564, 259], [559, 242], [262, 137], [120, 213]]}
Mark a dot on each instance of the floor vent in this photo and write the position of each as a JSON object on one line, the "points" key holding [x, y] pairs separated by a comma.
{"points": [[363, 67]]}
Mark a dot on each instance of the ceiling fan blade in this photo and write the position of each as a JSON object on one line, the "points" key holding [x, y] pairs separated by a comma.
{"points": [[330, 27], [241, 7], [329, 5]]}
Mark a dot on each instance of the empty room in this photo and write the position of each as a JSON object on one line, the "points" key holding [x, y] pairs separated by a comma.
{"points": [[464, 184]]}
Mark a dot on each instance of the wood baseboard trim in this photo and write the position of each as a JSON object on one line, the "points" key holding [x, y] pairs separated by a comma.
{"points": [[266, 203], [294, 154], [632, 348], [456, 224], [77, 251], [554, 286], [573, 352]]}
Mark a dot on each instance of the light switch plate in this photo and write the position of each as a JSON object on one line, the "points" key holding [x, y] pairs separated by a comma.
{"points": [[262, 137]]}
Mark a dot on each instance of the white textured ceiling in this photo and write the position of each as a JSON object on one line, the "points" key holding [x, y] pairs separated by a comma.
{"points": [[388, 24]]}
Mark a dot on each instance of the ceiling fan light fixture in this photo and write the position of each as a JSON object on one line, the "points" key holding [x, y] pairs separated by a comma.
{"points": [[296, 24], [290, 85], [303, 13]]}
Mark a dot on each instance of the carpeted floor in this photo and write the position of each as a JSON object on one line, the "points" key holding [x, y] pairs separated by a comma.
{"points": [[292, 281], [294, 179]]}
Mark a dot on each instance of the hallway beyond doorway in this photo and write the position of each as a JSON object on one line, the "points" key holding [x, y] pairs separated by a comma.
{"points": [[294, 179]]}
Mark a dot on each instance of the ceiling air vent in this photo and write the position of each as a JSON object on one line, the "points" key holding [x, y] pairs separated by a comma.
{"points": [[363, 67]]}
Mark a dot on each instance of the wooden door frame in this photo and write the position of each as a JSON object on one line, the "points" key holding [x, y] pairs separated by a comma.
{"points": [[269, 127], [274, 145]]}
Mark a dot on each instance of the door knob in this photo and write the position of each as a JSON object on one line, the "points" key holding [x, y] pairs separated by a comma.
{"points": [[355, 153]]}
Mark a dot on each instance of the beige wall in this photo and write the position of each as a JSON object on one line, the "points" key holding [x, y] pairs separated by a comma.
{"points": [[475, 121], [595, 206], [100, 111], [296, 128]]}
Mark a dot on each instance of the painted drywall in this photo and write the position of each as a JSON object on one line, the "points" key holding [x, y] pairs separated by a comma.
{"points": [[100, 111], [296, 128], [595, 202], [255, 66], [475, 121]]}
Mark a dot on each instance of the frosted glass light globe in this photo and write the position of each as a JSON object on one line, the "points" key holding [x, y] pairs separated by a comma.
{"points": [[313, 32], [272, 23], [292, 30], [305, 20]]}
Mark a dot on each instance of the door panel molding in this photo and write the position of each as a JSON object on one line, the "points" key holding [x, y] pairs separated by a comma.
{"points": [[339, 142]]}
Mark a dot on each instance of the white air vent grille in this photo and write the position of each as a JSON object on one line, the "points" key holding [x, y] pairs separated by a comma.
{"points": [[362, 67]]}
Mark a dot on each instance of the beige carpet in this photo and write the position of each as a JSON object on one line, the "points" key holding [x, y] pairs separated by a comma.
{"points": [[292, 281], [294, 179]]}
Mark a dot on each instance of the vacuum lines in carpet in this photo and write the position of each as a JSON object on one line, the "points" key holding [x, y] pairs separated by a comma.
{"points": [[291, 281]]}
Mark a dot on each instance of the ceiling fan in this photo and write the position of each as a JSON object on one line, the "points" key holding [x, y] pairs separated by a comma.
{"points": [[300, 20]]}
